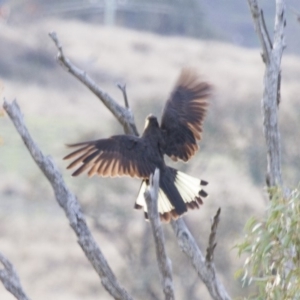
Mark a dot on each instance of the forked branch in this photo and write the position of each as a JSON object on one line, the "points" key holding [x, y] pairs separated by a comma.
{"points": [[272, 53], [122, 87], [206, 271]]}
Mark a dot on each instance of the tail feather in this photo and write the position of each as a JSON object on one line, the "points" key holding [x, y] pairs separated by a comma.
{"points": [[178, 192], [164, 204], [189, 188], [167, 185], [140, 200]]}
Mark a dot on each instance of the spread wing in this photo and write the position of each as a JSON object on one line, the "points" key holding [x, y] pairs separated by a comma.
{"points": [[183, 115], [116, 156]]}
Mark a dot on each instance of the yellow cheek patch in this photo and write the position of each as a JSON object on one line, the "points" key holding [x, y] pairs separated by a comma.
{"points": [[146, 123]]}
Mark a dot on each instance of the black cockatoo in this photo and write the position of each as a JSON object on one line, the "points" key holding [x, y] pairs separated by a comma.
{"points": [[176, 136]]}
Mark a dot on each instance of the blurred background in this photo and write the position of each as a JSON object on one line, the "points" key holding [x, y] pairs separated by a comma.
{"points": [[143, 44]]}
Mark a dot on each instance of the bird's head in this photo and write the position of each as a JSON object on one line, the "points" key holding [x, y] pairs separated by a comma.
{"points": [[151, 121]]}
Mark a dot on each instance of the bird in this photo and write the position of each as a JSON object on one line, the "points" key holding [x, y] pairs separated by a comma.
{"points": [[176, 136]]}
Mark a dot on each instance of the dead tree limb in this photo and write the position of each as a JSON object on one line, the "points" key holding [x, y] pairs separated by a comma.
{"points": [[123, 115], [271, 53], [183, 235], [70, 205], [122, 87], [10, 279], [212, 238], [205, 271], [164, 263]]}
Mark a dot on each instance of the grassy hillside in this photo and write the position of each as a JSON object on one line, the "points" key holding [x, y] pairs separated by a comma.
{"points": [[59, 110]]}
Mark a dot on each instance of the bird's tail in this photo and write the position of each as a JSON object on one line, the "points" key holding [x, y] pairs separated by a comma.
{"points": [[178, 192]]}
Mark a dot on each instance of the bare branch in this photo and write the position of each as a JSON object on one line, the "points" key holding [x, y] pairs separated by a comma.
{"points": [[271, 95], [265, 29], [261, 29], [164, 263], [212, 238], [10, 279], [206, 273], [123, 115], [123, 89], [70, 205]]}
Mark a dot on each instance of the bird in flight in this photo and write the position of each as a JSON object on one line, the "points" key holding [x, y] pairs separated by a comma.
{"points": [[177, 135]]}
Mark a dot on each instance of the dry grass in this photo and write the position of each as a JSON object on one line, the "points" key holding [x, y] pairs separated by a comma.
{"points": [[58, 110]]}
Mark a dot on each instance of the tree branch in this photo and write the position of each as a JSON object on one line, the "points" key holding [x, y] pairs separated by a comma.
{"points": [[70, 205], [123, 90], [123, 115], [10, 279], [212, 238], [261, 29], [271, 94], [164, 263], [206, 272]]}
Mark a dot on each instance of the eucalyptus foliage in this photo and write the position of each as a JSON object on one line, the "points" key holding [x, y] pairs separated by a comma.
{"points": [[272, 247]]}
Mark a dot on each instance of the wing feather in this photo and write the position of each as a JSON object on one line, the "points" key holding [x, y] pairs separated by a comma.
{"points": [[183, 115], [116, 156], [77, 152], [94, 169], [79, 159]]}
